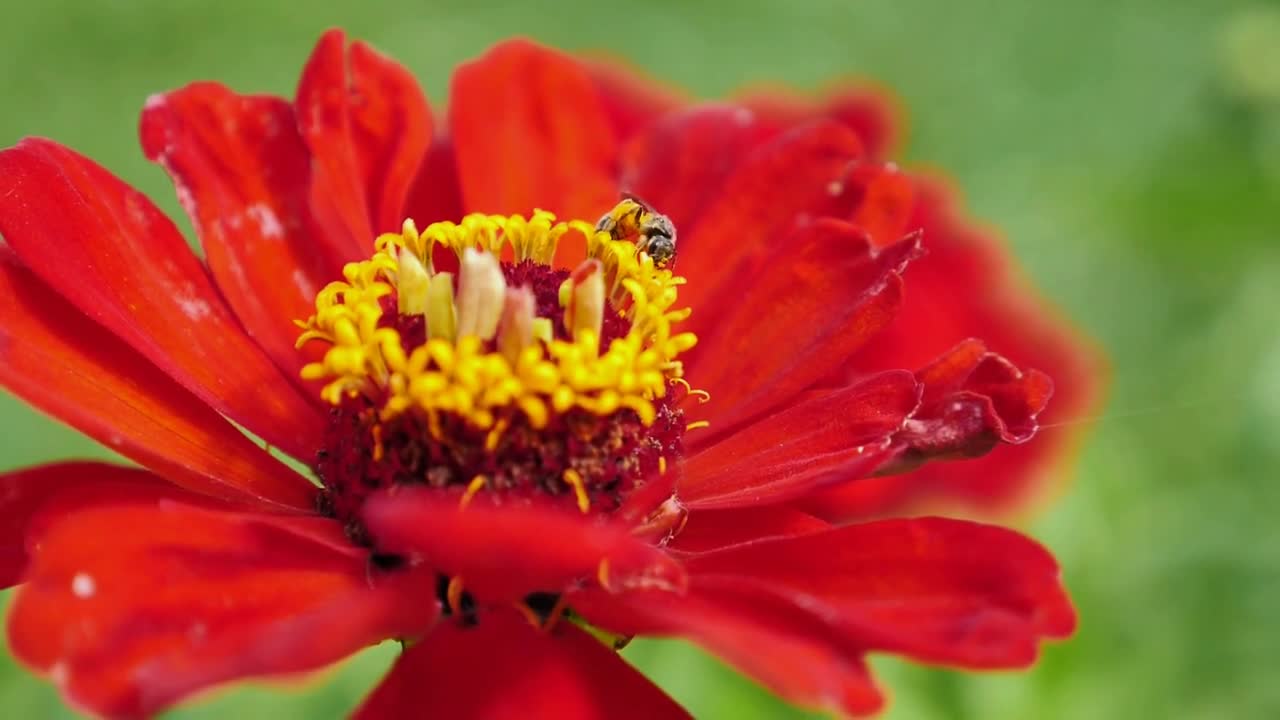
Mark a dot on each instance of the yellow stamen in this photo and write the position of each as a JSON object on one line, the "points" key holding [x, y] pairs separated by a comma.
{"points": [[585, 309], [481, 289], [574, 480], [662, 465], [515, 331], [413, 282], [542, 329], [698, 425], [442, 321], [702, 395], [495, 435], [475, 486], [530, 370]]}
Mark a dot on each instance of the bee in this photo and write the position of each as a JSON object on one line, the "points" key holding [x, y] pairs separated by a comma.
{"points": [[652, 232]]}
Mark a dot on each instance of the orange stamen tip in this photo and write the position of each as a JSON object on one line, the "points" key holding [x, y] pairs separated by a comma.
{"points": [[556, 614], [495, 435], [602, 573], [454, 594], [529, 615], [698, 425], [662, 465], [475, 486]]}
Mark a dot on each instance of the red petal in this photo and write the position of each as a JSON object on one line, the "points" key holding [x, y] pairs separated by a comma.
{"points": [[368, 127], [773, 642], [965, 287], [504, 668], [506, 552], [117, 258], [973, 399], [530, 132], [939, 590], [871, 112], [708, 530], [798, 613], [60, 361], [760, 202], [803, 314], [24, 492], [129, 622], [243, 176], [435, 195], [681, 163], [835, 436]]}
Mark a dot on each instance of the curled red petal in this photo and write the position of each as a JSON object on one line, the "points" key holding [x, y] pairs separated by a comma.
{"points": [[939, 590], [23, 493], [803, 313], [832, 436], [126, 623], [973, 399], [63, 363], [506, 552], [367, 125], [504, 669], [967, 286], [243, 175], [530, 132], [111, 253], [773, 642]]}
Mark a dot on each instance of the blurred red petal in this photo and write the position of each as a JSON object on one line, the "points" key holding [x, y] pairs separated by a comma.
{"points": [[502, 668], [63, 363], [797, 319], [871, 112], [505, 552], [367, 124], [833, 436], [632, 100], [529, 131], [939, 590], [128, 622], [776, 644], [883, 199], [23, 493], [243, 176], [116, 257]]}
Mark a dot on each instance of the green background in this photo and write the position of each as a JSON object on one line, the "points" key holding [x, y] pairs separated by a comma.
{"points": [[1129, 148]]}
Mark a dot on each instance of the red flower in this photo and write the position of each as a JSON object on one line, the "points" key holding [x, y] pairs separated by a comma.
{"points": [[509, 459]]}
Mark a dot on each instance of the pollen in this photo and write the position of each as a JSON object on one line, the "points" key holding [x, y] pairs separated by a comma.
{"points": [[462, 358], [485, 348]]}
